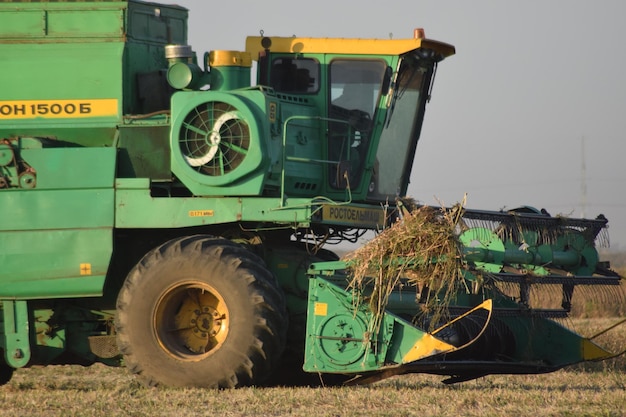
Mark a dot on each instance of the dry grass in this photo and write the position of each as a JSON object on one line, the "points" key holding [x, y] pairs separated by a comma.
{"points": [[422, 247], [101, 391], [597, 389]]}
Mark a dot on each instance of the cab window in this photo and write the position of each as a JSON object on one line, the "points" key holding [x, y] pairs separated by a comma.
{"points": [[296, 76]]}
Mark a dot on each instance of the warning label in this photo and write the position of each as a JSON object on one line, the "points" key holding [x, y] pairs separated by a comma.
{"points": [[357, 216], [201, 213]]}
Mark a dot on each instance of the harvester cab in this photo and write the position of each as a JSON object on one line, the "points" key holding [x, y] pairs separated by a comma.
{"points": [[332, 118]]}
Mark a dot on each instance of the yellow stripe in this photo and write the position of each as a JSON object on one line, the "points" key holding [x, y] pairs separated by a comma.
{"points": [[220, 58], [345, 46], [429, 345], [592, 352], [57, 109], [426, 346]]}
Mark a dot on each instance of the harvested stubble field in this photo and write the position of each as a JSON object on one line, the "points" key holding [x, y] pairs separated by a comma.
{"points": [[593, 390]]}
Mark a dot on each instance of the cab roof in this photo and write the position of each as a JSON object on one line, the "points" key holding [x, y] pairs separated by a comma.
{"points": [[254, 45]]}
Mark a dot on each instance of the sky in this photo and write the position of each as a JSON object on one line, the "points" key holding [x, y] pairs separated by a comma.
{"points": [[530, 110]]}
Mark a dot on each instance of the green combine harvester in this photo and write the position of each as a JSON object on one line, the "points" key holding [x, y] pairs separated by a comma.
{"points": [[163, 213]]}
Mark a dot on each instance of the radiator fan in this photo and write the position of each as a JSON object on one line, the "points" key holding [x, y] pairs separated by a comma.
{"points": [[214, 139], [216, 143]]}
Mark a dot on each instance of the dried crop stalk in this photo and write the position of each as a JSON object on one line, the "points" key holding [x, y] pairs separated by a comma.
{"points": [[422, 250]]}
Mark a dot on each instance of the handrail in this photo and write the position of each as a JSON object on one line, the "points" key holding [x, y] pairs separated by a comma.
{"points": [[286, 157]]}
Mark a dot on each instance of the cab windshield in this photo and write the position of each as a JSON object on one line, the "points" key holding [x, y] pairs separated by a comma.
{"points": [[401, 130], [355, 87]]}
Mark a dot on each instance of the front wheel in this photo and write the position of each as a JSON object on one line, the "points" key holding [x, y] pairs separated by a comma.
{"points": [[201, 311]]}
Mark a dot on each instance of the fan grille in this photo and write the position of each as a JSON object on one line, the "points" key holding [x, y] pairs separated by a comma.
{"points": [[214, 139]]}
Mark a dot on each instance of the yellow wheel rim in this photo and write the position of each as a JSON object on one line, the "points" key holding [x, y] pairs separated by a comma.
{"points": [[191, 320]]}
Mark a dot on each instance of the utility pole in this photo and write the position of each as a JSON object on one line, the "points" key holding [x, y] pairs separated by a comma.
{"points": [[583, 179]]}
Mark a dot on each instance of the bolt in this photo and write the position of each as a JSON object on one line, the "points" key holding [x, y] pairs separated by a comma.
{"points": [[18, 354]]}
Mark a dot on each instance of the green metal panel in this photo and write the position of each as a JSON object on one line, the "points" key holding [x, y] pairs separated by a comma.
{"points": [[72, 168], [74, 189], [54, 263], [344, 337], [56, 209], [84, 24], [76, 71], [336, 333], [62, 19], [303, 143], [157, 23], [57, 237], [136, 208], [21, 24], [72, 287], [540, 339]]}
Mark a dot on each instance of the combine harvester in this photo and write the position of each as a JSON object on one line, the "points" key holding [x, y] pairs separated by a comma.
{"points": [[162, 213]]}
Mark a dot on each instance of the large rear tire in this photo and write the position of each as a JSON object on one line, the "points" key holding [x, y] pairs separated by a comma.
{"points": [[201, 311]]}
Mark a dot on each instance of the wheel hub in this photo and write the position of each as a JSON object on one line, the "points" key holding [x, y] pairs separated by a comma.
{"points": [[191, 321], [208, 321]]}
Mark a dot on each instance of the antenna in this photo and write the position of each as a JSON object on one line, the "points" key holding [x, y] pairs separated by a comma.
{"points": [[583, 179]]}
